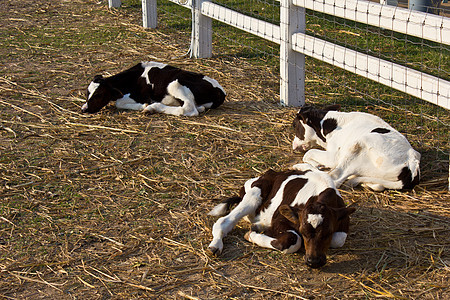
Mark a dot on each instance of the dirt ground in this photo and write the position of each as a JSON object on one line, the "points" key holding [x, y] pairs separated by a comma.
{"points": [[114, 205]]}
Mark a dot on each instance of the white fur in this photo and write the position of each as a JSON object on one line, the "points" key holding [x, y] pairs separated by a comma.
{"points": [[264, 219], [92, 88], [353, 150], [297, 144], [170, 100], [315, 220], [219, 210], [338, 239], [260, 239], [128, 103]]}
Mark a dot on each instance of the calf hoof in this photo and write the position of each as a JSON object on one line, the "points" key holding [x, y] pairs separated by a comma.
{"points": [[212, 251], [374, 187], [215, 248], [149, 110]]}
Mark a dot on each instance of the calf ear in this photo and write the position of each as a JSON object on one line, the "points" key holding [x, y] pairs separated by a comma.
{"points": [[305, 108], [332, 107], [289, 213], [302, 115], [98, 78], [344, 212]]}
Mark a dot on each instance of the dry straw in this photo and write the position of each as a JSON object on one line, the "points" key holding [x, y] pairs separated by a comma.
{"points": [[114, 205]]}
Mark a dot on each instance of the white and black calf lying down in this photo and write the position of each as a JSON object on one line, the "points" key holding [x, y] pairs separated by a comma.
{"points": [[286, 208], [156, 88], [359, 148]]}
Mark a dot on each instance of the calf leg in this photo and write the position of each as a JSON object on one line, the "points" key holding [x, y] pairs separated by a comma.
{"points": [[288, 241], [128, 103], [203, 107], [250, 202], [319, 158], [376, 184], [182, 93], [165, 109], [338, 238]]}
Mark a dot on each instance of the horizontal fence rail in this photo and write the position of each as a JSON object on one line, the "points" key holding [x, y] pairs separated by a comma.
{"points": [[246, 23], [410, 81], [427, 26]]}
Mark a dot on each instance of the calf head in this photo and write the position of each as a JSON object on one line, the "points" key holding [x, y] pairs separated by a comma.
{"points": [[307, 126], [98, 94], [316, 222]]}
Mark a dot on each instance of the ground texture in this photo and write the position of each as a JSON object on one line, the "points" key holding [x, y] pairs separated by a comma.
{"points": [[114, 205]]}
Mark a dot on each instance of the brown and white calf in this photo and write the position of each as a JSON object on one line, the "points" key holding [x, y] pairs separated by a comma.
{"points": [[156, 88], [359, 148], [284, 209]]}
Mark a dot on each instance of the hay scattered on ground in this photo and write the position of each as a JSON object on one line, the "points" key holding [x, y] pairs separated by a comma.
{"points": [[114, 205]]}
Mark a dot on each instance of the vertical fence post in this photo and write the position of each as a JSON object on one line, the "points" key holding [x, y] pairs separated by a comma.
{"points": [[149, 15], [114, 3], [292, 63], [201, 41]]}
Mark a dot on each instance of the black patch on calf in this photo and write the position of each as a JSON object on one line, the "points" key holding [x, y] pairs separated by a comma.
{"points": [[284, 241], [312, 117], [406, 177], [381, 130], [299, 129], [330, 197], [329, 125], [270, 182]]}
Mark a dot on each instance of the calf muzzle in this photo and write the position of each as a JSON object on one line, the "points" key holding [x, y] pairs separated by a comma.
{"points": [[315, 262]]}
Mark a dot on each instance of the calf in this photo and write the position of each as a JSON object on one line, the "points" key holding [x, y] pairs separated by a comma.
{"points": [[155, 87], [284, 208], [359, 148]]}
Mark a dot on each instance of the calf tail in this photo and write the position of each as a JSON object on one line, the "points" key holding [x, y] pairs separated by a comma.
{"points": [[225, 206], [410, 175]]}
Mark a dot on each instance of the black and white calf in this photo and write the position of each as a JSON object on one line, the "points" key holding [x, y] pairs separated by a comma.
{"points": [[286, 208], [359, 148], [156, 88]]}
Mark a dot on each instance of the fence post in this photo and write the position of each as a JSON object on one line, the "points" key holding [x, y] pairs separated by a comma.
{"points": [[292, 63], [201, 40], [149, 15], [114, 3]]}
